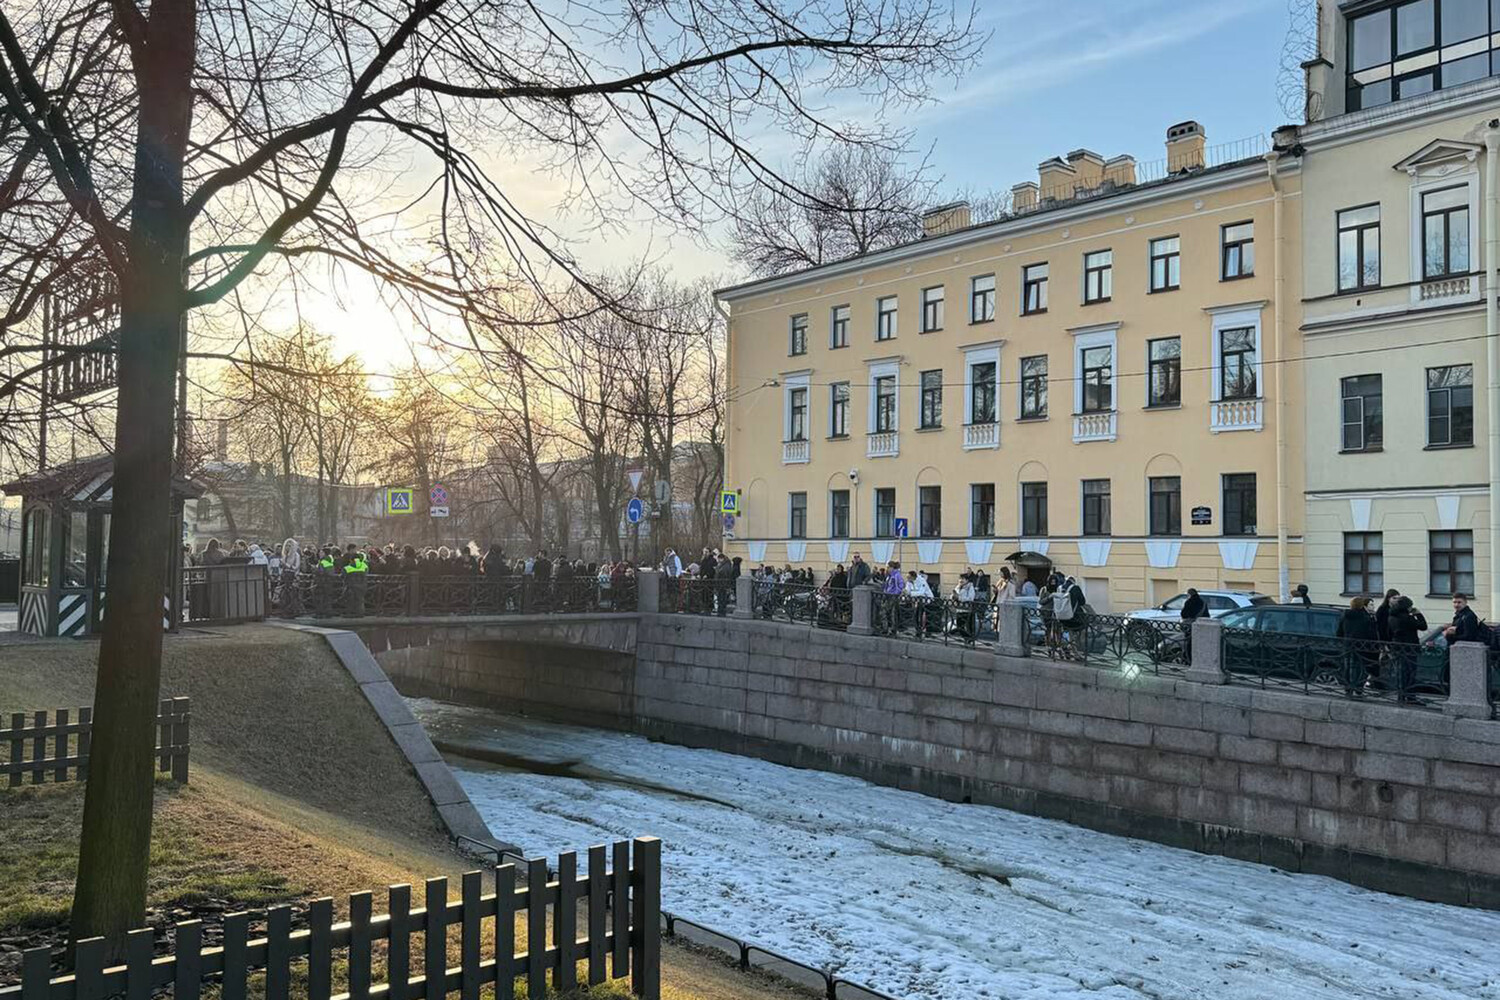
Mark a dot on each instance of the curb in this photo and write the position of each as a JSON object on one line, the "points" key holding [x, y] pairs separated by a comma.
{"points": [[458, 814]]}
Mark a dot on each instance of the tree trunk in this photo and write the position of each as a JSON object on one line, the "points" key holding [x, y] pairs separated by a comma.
{"points": [[110, 895]]}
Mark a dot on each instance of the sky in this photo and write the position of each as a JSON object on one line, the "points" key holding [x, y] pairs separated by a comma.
{"points": [[1056, 75]]}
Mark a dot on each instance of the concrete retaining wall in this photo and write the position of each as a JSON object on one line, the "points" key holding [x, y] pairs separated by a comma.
{"points": [[1379, 795]]}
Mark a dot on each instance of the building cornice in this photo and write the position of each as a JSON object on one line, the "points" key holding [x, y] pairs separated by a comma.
{"points": [[1235, 307], [1224, 177], [1356, 126], [983, 345]]}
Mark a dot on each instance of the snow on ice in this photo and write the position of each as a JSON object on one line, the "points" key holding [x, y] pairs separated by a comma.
{"points": [[932, 900]]}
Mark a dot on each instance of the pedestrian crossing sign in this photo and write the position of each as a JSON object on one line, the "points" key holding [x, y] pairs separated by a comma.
{"points": [[398, 500], [729, 502]]}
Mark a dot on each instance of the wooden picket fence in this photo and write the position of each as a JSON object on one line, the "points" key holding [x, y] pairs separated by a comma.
{"points": [[623, 919], [59, 748]]}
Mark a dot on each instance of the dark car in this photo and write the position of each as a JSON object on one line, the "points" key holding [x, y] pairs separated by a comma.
{"points": [[1287, 646]]}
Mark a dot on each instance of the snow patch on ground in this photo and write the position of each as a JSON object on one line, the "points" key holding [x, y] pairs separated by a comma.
{"points": [[932, 900]]}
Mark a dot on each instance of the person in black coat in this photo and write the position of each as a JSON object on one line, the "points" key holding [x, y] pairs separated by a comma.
{"points": [[1383, 615], [1194, 607], [1362, 655], [1407, 626], [1465, 627]]}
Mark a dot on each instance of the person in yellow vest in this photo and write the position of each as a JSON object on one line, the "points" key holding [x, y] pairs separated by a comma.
{"points": [[356, 575]]}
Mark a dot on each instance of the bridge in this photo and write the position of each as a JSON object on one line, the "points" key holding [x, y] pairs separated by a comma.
{"points": [[1392, 796]]}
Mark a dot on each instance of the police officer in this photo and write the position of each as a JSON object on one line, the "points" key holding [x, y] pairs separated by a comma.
{"points": [[356, 575]]}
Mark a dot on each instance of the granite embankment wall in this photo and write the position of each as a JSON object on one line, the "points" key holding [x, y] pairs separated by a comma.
{"points": [[1380, 795]]}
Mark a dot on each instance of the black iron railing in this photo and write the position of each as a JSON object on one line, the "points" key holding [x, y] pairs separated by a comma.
{"points": [[1493, 688], [933, 619], [691, 595], [1351, 668], [1110, 641], [358, 595], [224, 594]]}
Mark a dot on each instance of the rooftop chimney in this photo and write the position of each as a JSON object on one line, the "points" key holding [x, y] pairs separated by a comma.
{"points": [[1185, 147], [1088, 169], [1058, 179], [946, 219], [1023, 197], [1120, 171]]}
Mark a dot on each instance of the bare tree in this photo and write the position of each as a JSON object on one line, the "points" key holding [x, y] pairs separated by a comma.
{"points": [[223, 140], [423, 441], [860, 198]]}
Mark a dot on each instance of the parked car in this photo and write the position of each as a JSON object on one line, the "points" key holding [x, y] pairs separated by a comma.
{"points": [[1220, 603], [1305, 658]]}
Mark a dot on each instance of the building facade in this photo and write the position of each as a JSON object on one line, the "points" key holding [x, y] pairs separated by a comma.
{"points": [[1096, 379], [1398, 182]]}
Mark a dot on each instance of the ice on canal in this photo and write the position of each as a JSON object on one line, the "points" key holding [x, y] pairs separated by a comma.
{"points": [[931, 900]]}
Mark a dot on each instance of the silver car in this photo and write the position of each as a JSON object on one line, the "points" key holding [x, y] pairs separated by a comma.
{"points": [[1220, 602]]}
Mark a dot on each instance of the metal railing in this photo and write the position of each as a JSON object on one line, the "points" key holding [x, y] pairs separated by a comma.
{"points": [[694, 595], [1110, 641], [802, 604], [360, 595], [1492, 674], [753, 957], [933, 619], [225, 594], [1350, 668]]}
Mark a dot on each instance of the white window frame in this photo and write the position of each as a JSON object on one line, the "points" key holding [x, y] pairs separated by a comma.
{"points": [[1086, 338], [895, 314], [806, 526], [849, 408], [994, 291], [937, 294], [791, 335], [833, 322], [1435, 178], [978, 354], [1238, 317], [881, 369], [789, 383]]}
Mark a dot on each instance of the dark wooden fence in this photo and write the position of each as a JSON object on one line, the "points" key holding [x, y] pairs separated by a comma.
{"points": [[59, 747], [622, 905]]}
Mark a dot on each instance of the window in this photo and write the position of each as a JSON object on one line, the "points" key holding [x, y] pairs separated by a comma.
{"points": [[799, 334], [1388, 42], [932, 309], [1098, 379], [1450, 562], [797, 427], [1166, 505], [1098, 276], [1237, 363], [1034, 289], [885, 404], [1166, 264], [1445, 232], [885, 513], [1034, 510], [838, 334], [838, 513], [75, 548], [932, 400], [1096, 506], [1450, 407], [1164, 372], [982, 391], [885, 318], [930, 511], [38, 549], [1364, 563], [797, 516], [1359, 248], [1034, 388], [982, 510], [1239, 503], [1363, 430], [838, 410], [1237, 258], [982, 298]]}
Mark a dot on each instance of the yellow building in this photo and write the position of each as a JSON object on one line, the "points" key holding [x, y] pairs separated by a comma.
{"points": [[1399, 201], [1094, 378]]}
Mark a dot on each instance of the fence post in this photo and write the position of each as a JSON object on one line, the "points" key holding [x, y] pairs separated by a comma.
{"points": [[862, 598], [1013, 638], [413, 594], [180, 716], [1207, 653], [648, 591], [645, 937], [744, 596], [1468, 681]]}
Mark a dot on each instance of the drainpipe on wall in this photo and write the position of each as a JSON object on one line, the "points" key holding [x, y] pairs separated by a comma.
{"points": [[1492, 339], [1278, 378], [728, 411]]}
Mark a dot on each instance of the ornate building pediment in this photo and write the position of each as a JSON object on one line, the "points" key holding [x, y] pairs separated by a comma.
{"points": [[1441, 157]]}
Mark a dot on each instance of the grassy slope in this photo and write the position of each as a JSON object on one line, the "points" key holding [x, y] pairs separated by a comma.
{"points": [[295, 793]]}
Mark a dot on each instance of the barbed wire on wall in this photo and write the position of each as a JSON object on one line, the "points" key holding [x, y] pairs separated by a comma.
{"points": [[1300, 45]]}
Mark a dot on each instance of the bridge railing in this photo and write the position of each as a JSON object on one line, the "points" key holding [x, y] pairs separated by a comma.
{"points": [[369, 595]]}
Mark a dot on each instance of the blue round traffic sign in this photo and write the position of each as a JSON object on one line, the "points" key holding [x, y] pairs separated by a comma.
{"points": [[635, 510]]}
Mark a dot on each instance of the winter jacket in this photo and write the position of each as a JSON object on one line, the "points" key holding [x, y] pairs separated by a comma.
{"points": [[1466, 626], [1407, 627], [1356, 623], [1194, 607]]}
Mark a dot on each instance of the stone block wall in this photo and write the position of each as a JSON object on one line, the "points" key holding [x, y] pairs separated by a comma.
{"points": [[1376, 794]]}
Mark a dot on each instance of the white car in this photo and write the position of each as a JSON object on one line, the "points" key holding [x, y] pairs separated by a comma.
{"points": [[1220, 602]]}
